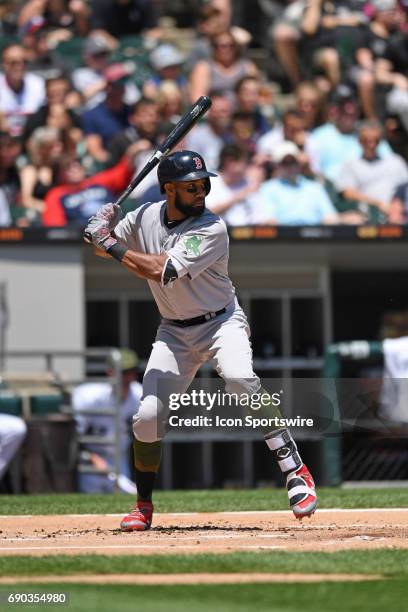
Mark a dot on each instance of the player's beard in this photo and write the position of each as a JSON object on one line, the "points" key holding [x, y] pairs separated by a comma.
{"points": [[188, 210]]}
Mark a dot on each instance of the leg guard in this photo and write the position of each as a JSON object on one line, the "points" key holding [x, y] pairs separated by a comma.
{"points": [[283, 446]]}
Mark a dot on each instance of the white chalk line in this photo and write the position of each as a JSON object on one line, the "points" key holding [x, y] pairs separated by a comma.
{"points": [[125, 546], [223, 512]]}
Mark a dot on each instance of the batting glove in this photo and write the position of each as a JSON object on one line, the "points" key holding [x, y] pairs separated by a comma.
{"points": [[111, 213], [100, 226], [100, 233]]}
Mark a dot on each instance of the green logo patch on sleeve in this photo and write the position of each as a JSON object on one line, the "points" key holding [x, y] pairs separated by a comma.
{"points": [[192, 245]]}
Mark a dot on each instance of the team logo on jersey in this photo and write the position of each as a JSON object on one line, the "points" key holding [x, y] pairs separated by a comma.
{"points": [[198, 163], [192, 245]]}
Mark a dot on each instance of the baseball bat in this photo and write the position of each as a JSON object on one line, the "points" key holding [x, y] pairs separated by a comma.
{"points": [[187, 121]]}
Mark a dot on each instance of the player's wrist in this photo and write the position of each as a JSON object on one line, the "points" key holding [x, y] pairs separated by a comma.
{"points": [[116, 250]]}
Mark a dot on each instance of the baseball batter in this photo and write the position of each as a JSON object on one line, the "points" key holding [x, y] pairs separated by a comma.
{"points": [[181, 249]]}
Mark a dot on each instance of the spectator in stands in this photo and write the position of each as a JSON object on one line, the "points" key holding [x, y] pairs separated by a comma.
{"points": [[144, 133], [12, 433], [65, 17], [41, 60], [89, 80], [370, 178], [336, 142], [101, 396], [8, 18], [41, 173], [374, 47], [232, 191], [223, 70], [170, 101], [399, 205], [243, 132], [310, 104], [125, 17], [77, 198], [144, 123], [286, 34], [167, 63], [290, 198], [111, 116], [213, 20], [392, 72], [21, 93], [10, 149], [248, 100], [291, 128], [58, 93], [209, 138], [331, 34]]}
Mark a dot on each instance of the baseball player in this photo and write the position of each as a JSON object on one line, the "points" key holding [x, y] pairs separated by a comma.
{"points": [[12, 433], [181, 249], [93, 397]]}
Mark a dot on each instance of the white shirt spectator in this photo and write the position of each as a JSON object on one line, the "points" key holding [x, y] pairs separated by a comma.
{"points": [[377, 178], [84, 77], [17, 105], [241, 213], [5, 217], [206, 142]]}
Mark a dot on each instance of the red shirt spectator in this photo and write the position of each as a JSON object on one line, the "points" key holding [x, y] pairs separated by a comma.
{"points": [[79, 198]]}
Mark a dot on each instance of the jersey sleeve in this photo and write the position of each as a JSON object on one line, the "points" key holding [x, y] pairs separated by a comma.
{"points": [[200, 248], [125, 231]]}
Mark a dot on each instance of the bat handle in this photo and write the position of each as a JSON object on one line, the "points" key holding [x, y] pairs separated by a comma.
{"points": [[87, 237]]}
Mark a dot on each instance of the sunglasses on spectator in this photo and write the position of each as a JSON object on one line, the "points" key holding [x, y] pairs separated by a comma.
{"points": [[14, 62], [289, 161], [224, 45]]}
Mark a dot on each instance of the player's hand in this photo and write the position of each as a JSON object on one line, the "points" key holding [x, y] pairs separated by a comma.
{"points": [[99, 231], [111, 213]]}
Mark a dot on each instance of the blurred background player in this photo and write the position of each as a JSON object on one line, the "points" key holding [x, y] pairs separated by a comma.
{"points": [[99, 396], [12, 433]]}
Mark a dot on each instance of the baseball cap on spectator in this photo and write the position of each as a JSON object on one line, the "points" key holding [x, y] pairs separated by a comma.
{"points": [[165, 56], [384, 5], [117, 74], [96, 45], [343, 93], [128, 360], [284, 149]]}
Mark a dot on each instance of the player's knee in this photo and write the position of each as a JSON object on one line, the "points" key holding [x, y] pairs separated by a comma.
{"points": [[147, 426]]}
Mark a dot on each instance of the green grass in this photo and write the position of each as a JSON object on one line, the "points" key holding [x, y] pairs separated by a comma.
{"points": [[200, 501], [321, 597], [386, 562]]}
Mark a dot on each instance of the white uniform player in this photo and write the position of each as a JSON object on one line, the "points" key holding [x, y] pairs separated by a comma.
{"points": [[12, 433], [181, 248], [95, 397]]}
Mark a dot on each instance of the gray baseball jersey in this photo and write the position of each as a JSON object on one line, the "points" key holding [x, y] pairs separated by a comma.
{"points": [[198, 248]]}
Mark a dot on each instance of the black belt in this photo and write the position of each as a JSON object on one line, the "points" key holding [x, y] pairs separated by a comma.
{"points": [[198, 320]]}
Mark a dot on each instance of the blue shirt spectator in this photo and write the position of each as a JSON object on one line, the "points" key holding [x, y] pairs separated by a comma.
{"points": [[292, 199], [105, 122], [109, 117], [329, 149]]}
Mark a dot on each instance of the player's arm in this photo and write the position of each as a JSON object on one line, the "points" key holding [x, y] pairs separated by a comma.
{"points": [[100, 228]]}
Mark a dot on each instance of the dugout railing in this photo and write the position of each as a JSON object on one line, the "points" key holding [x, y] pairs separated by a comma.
{"points": [[368, 443], [43, 391]]}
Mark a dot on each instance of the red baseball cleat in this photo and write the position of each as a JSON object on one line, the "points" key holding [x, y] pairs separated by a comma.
{"points": [[140, 519], [301, 492]]}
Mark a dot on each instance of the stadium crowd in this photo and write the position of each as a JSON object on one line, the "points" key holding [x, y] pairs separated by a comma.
{"points": [[314, 133]]}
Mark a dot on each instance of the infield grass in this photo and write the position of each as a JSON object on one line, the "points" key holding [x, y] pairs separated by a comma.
{"points": [[388, 563], [200, 501], [319, 597]]}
